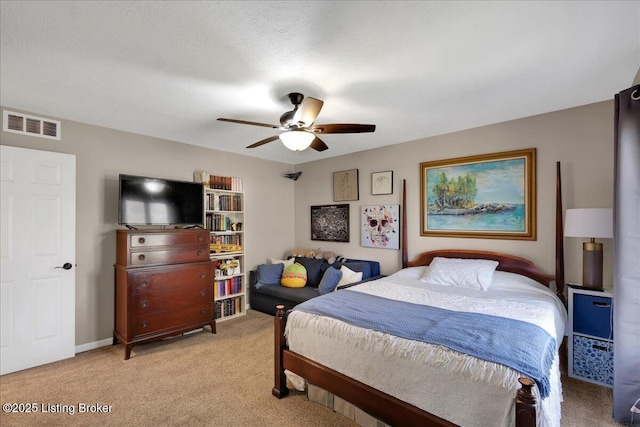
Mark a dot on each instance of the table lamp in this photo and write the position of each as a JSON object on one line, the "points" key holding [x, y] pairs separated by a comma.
{"points": [[593, 224]]}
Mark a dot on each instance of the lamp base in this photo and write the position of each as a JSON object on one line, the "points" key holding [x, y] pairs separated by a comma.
{"points": [[592, 265]]}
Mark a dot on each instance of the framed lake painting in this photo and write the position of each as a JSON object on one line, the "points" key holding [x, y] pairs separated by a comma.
{"points": [[491, 196]]}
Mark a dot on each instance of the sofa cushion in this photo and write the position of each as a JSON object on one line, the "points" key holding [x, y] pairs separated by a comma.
{"points": [[269, 274], [285, 262], [329, 280], [357, 266], [373, 265], [296, 295], [349, 276], [314, 270], [294, 276]]}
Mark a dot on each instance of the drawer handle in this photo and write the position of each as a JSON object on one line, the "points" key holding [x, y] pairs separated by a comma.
{"points": [[600, 347], [601, 304], [202, 293], [144, 324], [141, 257], [144, 304], [202, 311], [141, 240], [199, 238], [199, 253], [144, 283], [202, 275]]}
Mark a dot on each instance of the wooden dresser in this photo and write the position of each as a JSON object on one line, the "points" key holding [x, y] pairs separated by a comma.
{"points": [[163, 285]]}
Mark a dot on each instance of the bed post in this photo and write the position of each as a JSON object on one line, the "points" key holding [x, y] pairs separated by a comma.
{"points": [[525, 404], [559, 237], [403, 225], [280, 389]]}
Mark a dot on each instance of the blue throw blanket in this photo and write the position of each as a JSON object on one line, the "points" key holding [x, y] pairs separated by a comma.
{"points": [[519, 345]]}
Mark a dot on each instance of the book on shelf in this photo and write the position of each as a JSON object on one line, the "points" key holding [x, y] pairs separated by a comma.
{"points": [[224, 202], [227, 239], [222, 288], [222, 222], [217, 182], [228, 307]]}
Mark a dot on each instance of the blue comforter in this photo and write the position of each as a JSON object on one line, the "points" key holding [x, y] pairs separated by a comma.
{"points": [[522, 346]]}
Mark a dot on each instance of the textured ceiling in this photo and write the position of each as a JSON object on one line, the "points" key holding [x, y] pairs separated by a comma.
{"points": [[415, 69]]}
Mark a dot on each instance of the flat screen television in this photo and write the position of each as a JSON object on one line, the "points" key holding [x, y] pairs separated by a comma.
{"points": [[154, 201]]}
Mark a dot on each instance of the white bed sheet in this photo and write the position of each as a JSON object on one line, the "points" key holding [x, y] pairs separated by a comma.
{"points": [[460, 388]]}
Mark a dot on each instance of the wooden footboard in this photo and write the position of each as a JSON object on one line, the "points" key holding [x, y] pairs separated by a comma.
{"points": [[374, 402]]}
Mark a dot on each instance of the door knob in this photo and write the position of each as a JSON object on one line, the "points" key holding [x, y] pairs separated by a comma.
{"points": [[66, 266]]}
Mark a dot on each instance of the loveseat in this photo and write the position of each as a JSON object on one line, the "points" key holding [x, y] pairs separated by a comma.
{"points": [[265, 296]]}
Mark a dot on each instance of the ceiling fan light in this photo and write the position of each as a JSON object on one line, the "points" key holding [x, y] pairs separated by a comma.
{"points": [[297, 140]]}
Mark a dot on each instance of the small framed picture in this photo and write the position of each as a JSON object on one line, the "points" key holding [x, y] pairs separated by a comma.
{"points": [[382, 183], [345, 185]]}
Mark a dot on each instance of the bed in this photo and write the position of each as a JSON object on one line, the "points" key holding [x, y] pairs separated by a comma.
{"points": [[402, 378]]}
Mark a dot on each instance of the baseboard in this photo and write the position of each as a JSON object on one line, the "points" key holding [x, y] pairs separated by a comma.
{"points": [[93, 345], [109, 341]]}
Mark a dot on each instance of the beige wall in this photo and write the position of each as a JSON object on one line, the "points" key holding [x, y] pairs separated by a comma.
{"points": [[101, 154], [580, 138]]}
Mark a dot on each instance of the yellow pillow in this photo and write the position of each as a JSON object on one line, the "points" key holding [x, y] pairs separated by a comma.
{"points": [[294, 276]]}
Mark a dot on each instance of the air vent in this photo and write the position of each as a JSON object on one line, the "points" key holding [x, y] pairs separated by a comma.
{"points": [[30, 125]]}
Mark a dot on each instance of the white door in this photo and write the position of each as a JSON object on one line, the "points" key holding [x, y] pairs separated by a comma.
{"points": [[37, 299]]}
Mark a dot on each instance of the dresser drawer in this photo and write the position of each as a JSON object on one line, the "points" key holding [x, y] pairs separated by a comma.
{"points": [[174, 255], [592, 315], [151, 323], [170, 277], [141, 248], [593, 360], [172, 299], [145, 240]]}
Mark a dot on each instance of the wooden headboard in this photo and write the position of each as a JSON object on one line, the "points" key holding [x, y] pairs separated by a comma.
{"points": [[509, 263]]}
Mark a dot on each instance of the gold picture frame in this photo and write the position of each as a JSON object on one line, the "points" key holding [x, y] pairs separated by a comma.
{"points": [[489, 196]]}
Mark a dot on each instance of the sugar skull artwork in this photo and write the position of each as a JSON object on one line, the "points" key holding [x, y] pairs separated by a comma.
{"points": [[381, 226]]}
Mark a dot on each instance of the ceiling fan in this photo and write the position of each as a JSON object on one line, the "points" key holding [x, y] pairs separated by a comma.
{"points": [[299, 131]]}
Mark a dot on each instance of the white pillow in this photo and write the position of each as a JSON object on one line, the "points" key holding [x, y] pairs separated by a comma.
{"points": [[467, 273], [410, 273], [286, 262], [349, 276]]}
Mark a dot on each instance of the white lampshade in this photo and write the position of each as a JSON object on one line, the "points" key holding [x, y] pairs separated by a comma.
{"points": [[589, 223], [297, 140]]}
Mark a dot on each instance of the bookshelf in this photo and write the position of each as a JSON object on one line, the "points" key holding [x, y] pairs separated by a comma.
{"points": [[224, 218]]}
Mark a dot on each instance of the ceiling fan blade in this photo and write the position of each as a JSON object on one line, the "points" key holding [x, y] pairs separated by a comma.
{"points": [[343, 128], [264, 141], [307, 112], [244, 122], [318, 145]]}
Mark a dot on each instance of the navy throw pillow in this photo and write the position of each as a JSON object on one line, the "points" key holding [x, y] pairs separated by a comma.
{"points": [[329, 280], [314, 270], [269, 274]]}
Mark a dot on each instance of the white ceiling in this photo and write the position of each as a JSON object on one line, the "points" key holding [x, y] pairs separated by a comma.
{"points": [[414, 69]]}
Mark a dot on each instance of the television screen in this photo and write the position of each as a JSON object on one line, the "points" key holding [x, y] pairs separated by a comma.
{"points": [[155, 201]]}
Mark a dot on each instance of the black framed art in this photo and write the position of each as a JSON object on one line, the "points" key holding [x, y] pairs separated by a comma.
{"points": [[330, 223]]}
